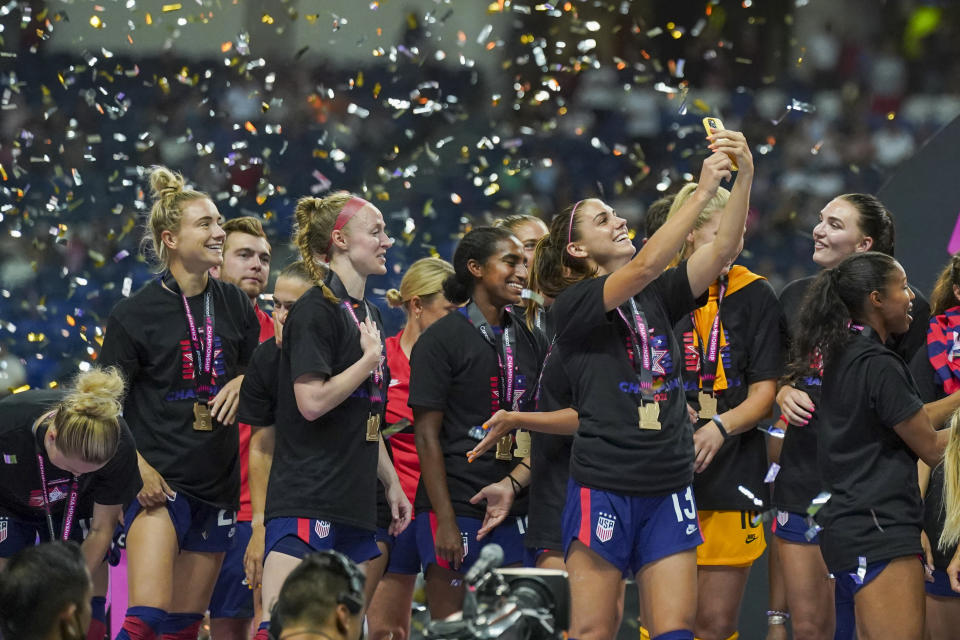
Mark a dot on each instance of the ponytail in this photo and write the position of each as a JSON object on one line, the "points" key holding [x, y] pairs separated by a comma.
{"points": [[424, 279], [533, 304], [950, 535], [86, 420], [316, 218], [836, 298], [554, 269]]}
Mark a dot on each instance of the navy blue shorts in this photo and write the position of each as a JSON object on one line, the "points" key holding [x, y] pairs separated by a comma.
{"points": [[630, 532], [940, 586], [509, 535], [299, 536], [383, 535], [198, 525], [18, 534], [232, 597], [532, 554], [848, 584], [404, 555], [795, 527]]}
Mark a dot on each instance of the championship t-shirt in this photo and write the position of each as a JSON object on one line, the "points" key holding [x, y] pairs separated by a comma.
{"points": [[749, 351], [874, 511], [610, 451], [454, 369], [148, 339], [21, 493], [325, 468], [549, 461]]}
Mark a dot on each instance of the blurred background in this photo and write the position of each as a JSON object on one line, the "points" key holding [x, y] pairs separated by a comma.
{"points": [[445, 114]]}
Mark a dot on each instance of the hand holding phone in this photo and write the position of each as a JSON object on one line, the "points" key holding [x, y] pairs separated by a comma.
{"points": [[711, 125]]}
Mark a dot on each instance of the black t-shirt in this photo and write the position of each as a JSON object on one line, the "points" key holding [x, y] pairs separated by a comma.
{"points": [[148, 339], [931, 390], [325, 468], [750, 318], [610, 451], [798, 481], [549, 461], [258, 394], [21, 495], [453, 369], [874, 510]]}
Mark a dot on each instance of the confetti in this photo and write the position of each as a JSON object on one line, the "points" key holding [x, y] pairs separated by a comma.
{"points": [[772, 473], [772, 431], [818, 502], [749, 494], [805, 107], [812, 531], [861, 570]]}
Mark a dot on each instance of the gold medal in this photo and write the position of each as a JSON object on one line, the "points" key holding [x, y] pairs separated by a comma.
{"points": [[708, 405], [504, 445], [202, 420], [373, 427], [523, 444], [649, 415]]}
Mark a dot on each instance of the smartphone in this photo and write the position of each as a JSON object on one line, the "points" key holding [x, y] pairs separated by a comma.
{"points": [[711, 124]]}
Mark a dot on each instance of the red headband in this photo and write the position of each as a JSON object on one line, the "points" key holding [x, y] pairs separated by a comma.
{"points": [[350, 209]]}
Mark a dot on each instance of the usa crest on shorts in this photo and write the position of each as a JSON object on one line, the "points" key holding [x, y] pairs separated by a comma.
{"points": [[322, 528], [605, 524]]}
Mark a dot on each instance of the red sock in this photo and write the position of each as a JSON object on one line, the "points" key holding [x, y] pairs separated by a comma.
{"points": [[141, 623], [181, 626], [97, 630], [263, 633]]}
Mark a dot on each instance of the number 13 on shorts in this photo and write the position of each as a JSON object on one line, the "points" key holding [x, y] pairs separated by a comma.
{"points": [[688, 509]]}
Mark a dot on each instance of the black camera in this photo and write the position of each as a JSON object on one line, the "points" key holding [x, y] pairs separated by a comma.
{"points": [[516, 604]]}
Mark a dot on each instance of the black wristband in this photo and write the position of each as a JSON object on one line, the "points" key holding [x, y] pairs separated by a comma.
{"points": [[516, 485], [723, 431]]}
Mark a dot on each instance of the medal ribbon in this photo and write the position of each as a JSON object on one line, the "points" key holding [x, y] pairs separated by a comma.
{"points": [[641, 349], [202, 353], [710, 348], [505, 359], [539, 387], [203, 375], [71, 509], [378, 372]]}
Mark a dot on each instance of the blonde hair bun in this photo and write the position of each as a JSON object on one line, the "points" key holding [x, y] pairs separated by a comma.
{"points": [[165, 183], [97, 394], [394, 299]]}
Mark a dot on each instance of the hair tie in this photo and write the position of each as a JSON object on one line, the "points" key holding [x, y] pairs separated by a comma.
{"points": [[573, 212], [349, 209]]}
